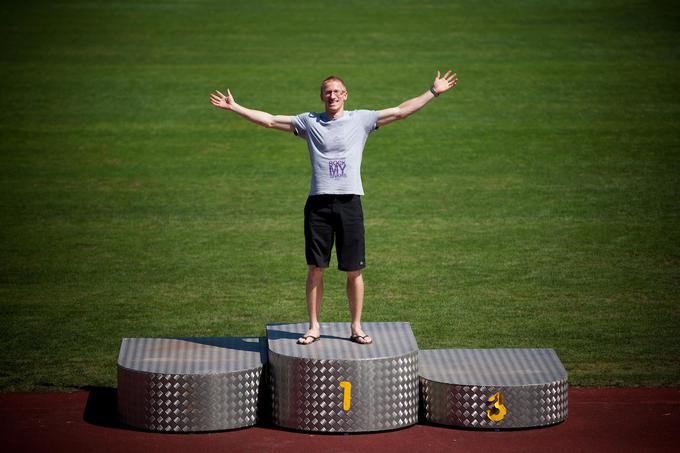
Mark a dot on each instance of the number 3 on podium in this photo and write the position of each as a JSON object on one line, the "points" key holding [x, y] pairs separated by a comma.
{"points": [[346, 387], [499, 409]]}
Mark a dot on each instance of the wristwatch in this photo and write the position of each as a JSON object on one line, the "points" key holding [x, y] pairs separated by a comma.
{"points": [[433, 91]]}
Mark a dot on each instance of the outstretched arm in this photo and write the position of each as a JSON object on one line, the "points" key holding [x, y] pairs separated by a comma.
{"points": [[280, 122], [440, 85]]}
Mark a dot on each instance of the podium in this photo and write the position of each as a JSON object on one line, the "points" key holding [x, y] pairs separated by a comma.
{"points": [[190, 384], [334, 385], [492, 388]]}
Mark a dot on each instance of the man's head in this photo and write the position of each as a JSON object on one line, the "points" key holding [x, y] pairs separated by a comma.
{"points": [[333, 95]]}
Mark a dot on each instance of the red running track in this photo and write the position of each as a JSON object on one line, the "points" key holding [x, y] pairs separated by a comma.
{"points": [[600, 420]]}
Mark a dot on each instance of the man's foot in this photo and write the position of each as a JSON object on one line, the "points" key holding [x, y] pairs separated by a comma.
{"points": [[310, 337], [361, 339]]}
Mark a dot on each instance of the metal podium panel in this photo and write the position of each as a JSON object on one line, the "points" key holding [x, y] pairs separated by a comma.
{"points": [[334, 385], [492, 388], [190, 384]]}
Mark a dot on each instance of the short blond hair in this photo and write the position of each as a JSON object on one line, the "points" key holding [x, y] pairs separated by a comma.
{"points": [[331, 79]]}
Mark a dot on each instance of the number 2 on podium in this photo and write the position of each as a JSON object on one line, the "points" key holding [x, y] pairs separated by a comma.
{"points": [[346, 387]]}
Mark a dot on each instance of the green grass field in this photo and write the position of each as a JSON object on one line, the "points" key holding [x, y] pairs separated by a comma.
{"points": [[536, 205]]}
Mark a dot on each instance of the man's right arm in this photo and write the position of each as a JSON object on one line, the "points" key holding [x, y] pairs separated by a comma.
{"points": [[279, 122]]}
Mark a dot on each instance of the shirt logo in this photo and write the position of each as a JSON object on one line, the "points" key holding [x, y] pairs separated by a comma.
{"points": [[336, 169]]}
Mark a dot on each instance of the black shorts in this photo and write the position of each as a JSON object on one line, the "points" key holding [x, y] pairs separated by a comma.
{"points": [[339, 218]]}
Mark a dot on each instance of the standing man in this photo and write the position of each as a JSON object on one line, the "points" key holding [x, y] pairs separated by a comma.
{"points": [[335, 139]]}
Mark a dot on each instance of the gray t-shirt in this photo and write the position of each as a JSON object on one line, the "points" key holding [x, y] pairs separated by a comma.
{"points": [[335, 149]]}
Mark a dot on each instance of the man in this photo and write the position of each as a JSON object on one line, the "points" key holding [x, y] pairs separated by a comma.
{"points": [[335, 140]]}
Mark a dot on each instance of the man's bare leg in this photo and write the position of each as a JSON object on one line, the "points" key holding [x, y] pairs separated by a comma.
{"points": [[355, 295], [314, 299]]}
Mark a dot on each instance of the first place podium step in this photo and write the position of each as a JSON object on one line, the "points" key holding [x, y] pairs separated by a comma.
{"points": [[335, 385]]}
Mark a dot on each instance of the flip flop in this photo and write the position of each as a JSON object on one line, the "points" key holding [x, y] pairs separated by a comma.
{"points": [[304, 338], [355, 339]]}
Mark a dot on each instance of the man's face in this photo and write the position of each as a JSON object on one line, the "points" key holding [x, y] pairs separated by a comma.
{"points": [[333, 96]]}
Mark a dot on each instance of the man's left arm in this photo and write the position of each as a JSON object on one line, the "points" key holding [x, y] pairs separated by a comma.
{"points": [[406, 108]]}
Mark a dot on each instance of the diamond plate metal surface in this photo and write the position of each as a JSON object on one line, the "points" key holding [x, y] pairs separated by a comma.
{"points": [[205, 384], [305, 380], [532, 382]]}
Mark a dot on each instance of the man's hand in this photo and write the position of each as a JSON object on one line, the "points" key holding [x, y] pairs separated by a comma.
{"points": [[221, 101], [279, 122], [440, 85], [443, 84]]}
